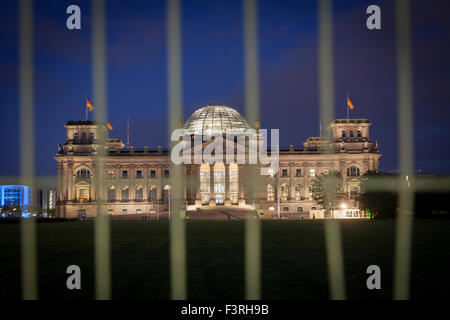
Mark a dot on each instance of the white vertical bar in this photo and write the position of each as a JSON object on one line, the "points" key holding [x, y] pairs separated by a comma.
{"points": [[406, 152], [326, 100], [252, 225], [102, 228], [28, 226], [177, 225]]}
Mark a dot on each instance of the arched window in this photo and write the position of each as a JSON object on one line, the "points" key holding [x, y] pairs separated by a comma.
{"points": [[359, 134], [351, 134], [353, 171], [111, 194], [139, 194], [153, 194], [344, 134], [166, 194], [83, 174], [270, 193], [125, 194], [284, 192], [83, 138]]}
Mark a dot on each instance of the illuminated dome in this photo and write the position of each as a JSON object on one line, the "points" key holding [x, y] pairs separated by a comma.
{"points": [[211, 120]]}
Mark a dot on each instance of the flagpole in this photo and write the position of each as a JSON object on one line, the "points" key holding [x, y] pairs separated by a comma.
{"points": [[85, 102]]}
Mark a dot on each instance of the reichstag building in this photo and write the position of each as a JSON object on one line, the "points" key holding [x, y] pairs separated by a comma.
{"points": [[137, 181]]}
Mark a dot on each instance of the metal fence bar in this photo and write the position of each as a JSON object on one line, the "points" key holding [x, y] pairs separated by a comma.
{"points": [[326, 101], [177, 223], [102, 227], [406, 152], [252, 225], [28, 226]]}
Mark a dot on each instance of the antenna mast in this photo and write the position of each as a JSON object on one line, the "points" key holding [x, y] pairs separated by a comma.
{"points": [[128, 131]]}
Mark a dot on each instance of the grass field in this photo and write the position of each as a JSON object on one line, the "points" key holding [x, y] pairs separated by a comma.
{"points": [[293, 260]]}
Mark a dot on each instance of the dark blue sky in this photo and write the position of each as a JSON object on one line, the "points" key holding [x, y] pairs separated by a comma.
{"points": [[213, 72]]}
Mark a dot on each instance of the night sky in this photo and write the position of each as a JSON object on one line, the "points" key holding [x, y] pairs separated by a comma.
{"points": [[213, 72]]}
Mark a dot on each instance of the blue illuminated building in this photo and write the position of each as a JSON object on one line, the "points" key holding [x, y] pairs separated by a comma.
{"points": [[13, 196]]}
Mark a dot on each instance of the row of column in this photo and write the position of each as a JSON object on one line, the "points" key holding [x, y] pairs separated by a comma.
{"points": [[241, 189]]}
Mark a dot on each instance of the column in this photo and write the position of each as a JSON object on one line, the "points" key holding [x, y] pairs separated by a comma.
{"points": [[227, 184], [92, 195], [117, 183], [59, 187], [70, 181], [241, 186], [198, 200], [145, 190], [65, 182], [306, 181], [159, 191], [212, 200], [185, 183], [291, 195]]}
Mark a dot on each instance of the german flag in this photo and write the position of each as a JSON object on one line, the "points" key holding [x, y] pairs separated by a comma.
{"points": [[350, 104], [89, 105], [110, 127]]}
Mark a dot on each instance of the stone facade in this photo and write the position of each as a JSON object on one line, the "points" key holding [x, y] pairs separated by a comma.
{"points": [[137, 181]]}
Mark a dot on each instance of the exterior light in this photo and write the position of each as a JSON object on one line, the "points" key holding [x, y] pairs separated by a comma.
{"points": [[343, 205], [271, 208]]}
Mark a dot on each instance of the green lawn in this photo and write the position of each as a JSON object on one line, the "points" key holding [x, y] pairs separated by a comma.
{"points": [[293, 262]]}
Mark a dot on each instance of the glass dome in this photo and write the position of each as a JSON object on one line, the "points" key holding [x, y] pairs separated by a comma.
{"points": [[211, 120]]}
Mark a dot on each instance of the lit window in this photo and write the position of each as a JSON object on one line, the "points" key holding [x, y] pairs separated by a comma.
{"points": [[270, 193], [284, 192], [297, 193], [138, 211], [139, 194], [124, 211], [312, 172], [153, 194], [125, 194], [110, 173], [83, 174], [353, 171], [111, 194]]}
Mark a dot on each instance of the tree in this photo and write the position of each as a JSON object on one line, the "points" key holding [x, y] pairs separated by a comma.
{"points": [[377, 196], [327, 190]]}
